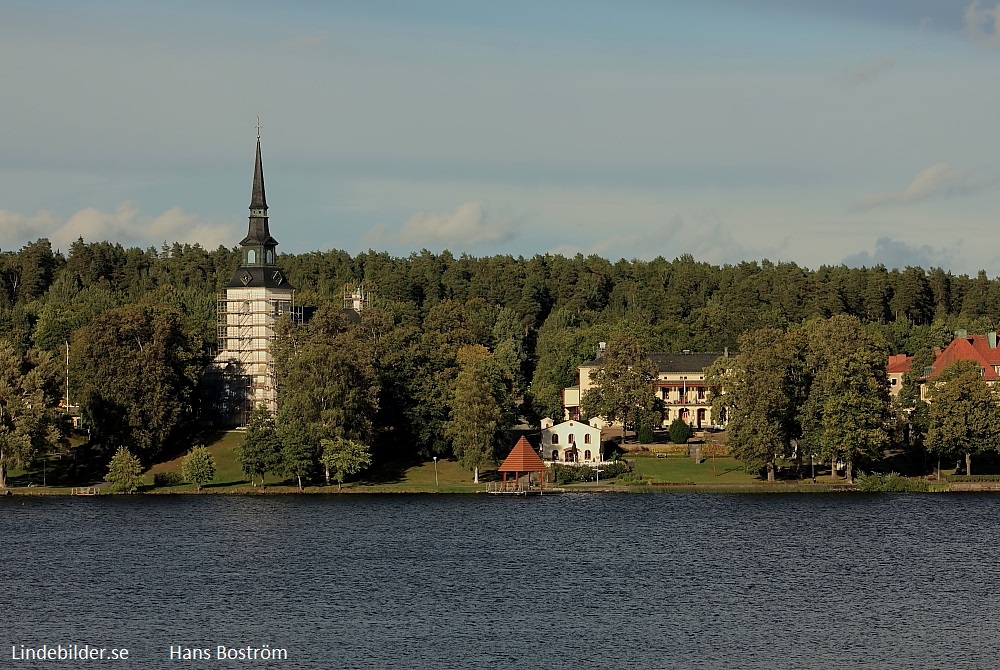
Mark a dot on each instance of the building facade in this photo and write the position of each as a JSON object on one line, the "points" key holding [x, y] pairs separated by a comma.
{"points": [[679, 385], [570, 442]]}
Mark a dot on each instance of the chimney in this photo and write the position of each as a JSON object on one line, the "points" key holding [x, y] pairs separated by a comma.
{"points": [[992, 335], [601, 346]]}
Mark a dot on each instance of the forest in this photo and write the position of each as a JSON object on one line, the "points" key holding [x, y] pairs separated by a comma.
{"points": [[140, 325]]}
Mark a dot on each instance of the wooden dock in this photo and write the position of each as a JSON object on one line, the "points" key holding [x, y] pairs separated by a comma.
{"points": [[513, 488], [85, 491]]}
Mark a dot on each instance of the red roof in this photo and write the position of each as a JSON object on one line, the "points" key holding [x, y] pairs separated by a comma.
{"points": [[522, 458], [899, 363], [970, 348]]}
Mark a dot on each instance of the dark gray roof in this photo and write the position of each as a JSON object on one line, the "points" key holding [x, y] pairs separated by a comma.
{"points": [[257, 199], [675, 361], [259, 277]]}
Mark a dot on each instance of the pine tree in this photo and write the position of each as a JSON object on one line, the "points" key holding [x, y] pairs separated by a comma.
{"points": [[260, 451]]}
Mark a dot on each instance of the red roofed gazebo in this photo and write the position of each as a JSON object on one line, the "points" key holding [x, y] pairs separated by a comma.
{"points": [[521, 460]]}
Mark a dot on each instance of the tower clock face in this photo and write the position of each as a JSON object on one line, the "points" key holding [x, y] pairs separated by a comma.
{"points": [[246, 278]]}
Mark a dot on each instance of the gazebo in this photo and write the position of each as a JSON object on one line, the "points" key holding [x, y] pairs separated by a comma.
{"points": [[521, 460]]}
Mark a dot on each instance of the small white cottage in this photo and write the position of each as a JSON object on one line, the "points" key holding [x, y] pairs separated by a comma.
{"points": [[570, 442]]}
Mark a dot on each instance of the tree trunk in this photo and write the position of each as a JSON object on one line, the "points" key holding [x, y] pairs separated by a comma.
{"points": [[968, 463], [328, 476], [770, 471], [849, 471], [475, 476], [300, 483], [3, 472], [340, 484]]}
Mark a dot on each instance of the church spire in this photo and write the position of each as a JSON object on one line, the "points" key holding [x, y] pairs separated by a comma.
{"points": [[258, 245], [257, 200]]}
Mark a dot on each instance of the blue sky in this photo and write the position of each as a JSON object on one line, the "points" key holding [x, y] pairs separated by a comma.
{"points": [[800, 130]]}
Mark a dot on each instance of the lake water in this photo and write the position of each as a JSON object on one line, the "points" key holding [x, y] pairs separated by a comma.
{"points": [[562, 581]]}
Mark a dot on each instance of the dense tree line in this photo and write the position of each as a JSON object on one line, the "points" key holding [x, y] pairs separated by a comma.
{"points": [[141, 327]]}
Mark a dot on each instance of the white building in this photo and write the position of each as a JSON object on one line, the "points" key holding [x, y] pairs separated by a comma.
{"points": [[570, 442]]}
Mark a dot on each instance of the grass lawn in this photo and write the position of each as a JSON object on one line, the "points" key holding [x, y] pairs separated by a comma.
{"points": [[682, 470]]}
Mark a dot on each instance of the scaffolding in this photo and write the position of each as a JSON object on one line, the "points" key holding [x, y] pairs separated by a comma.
{"points": [[356, 297], [244, 363]]}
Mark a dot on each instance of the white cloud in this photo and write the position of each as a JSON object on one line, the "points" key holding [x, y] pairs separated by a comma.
{"points": [[938, 180], [126, 225], [983, 25], [465, 226]]}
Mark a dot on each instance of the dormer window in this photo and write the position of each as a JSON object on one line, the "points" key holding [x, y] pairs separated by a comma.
{"points": [[251, 256]]}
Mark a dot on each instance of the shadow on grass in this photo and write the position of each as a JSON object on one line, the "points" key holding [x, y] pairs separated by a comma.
{"points": [[384, 473]]}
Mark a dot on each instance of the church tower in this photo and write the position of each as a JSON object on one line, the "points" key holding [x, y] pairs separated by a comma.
{"points": [[255, 297]]}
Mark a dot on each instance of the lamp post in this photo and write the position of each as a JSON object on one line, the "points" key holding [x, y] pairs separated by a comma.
{"points": [[436, 472]]}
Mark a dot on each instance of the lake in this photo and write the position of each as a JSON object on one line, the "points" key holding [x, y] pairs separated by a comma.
{"points": [[451, 581]]}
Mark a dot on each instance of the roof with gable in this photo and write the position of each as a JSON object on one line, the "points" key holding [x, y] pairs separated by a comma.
{"points": [[522, 458], [675, 361], [970, 348], [899, 364]]}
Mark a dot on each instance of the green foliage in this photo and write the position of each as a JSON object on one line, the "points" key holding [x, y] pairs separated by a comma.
{"points": [[343, 458], [680, 431], [299, 454], [29, 396], [481, 409], [167, 479], [260, 451], [622, 383], [198, 467], [124, 472], [963, 413], [645, 434], [136, 369], [889, 483], [568, 474]]}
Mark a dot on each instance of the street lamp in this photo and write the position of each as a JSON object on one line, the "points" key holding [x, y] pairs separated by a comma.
{"points": [[599, 471], [436, 472]]}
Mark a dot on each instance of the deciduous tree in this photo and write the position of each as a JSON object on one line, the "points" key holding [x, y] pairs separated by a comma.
{"points": [[963, 413], [260, 451], [198, 467], [623, 383], [343, 458], [29, 397], [124, 471]]}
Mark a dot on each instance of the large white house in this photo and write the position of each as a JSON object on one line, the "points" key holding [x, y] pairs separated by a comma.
{"points": [[680, 385]]}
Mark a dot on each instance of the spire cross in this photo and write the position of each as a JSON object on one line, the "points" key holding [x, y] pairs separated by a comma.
{"points": [[258, 126]]}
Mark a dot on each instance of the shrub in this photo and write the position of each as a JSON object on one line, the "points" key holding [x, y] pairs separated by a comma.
{"points": [[198, 467], [645, 434], [891, 482], [568, 474], [679, 432], [164, 479]]}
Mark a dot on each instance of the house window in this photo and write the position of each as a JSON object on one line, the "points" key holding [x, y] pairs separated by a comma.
{"points": [[555, 439], [251, 256], [586, 438], [571, 440], [586, 455], [892, 382], [555, 454]]}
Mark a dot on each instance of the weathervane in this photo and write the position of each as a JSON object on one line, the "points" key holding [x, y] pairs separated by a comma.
{"points": [[258, 126]]}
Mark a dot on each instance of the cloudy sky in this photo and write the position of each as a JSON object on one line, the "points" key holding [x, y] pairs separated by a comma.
{"points": [[854, 131]]}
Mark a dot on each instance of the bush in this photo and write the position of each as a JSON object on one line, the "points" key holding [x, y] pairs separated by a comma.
{"points": [[645, 434], [568, 474], [974, 478], [680, 432], [892, 482], [164, 479]]}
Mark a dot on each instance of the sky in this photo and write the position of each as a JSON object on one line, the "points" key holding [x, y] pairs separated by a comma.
{"points": [[811, 131]]}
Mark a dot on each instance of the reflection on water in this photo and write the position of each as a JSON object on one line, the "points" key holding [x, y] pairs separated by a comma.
{"points": [[570, 581]]}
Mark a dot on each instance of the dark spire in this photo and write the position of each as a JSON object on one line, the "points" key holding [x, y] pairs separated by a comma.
{"points": [[257, 200]]}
